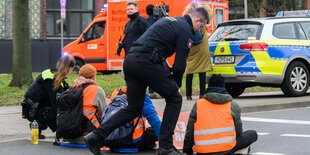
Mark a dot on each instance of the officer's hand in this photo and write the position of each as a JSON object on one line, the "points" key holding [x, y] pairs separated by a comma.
{"points": [[117, 53]]}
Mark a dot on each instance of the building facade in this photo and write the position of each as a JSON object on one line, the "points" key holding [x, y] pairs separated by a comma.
{"points": [[44, 17]]}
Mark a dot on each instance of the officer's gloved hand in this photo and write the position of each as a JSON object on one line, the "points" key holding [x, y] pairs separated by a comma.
{"points": [[117, 53]]}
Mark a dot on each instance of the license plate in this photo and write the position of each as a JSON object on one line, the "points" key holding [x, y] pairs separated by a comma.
{"points": [[224, 59]]}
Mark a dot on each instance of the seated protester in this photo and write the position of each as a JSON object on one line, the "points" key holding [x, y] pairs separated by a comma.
{"points": [[93, 100], [151, 134], [214, 118], [40, 98]]}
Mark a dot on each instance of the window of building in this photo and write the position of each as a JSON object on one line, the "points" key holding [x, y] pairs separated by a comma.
{"points": [[79, 13]]}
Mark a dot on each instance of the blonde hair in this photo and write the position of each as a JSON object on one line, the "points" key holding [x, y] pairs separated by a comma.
{"points": [[63, 67], [193, 5]]}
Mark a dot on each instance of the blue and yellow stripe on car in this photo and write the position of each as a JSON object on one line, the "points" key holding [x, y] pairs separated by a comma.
{"points": [[271, 61]]}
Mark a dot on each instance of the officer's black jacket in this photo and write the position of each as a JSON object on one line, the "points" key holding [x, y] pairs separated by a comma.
{"points": [[134, 30], [168, 35], [42, 91]]}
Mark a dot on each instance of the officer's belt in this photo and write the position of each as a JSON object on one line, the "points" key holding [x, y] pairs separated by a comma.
{"points": [[147, 54]]}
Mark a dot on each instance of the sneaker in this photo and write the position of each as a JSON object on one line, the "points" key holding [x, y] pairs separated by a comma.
{"points": [[171, 151], [92, 140], [243, 151], [189, 98]]}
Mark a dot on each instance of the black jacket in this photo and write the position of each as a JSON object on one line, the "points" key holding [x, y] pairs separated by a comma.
{"points": [[41, 90], [169, 35], [134, 29]]}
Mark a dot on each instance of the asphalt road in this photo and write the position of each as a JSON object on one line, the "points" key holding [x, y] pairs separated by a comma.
{"points": [[280, 132]]}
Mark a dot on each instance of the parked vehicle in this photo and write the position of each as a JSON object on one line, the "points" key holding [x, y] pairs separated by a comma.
{"points": [[271, 52], [97, 44]]}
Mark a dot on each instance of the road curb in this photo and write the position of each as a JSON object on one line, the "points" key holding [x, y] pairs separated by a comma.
{"points": [[271, 107]]}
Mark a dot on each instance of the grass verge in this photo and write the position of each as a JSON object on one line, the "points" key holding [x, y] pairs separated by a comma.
{"points": [[13, 95]]}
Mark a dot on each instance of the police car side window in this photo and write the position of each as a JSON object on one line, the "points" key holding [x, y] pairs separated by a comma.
{"points": [[96, 31], [301, 32], [288, 28], [306, 28]]}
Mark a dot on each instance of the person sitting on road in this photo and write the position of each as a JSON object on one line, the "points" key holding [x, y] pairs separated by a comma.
{"points": [[40, 98], [94, 100], [214, 126], [151, 134]]}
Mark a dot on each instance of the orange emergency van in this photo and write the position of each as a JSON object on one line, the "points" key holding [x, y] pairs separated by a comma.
{"points": [[97, 44]]}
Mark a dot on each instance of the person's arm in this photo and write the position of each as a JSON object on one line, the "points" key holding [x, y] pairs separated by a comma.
{"points": [[236, 114], [189, 135], [183, 45], [99, 101], [151, 115]]}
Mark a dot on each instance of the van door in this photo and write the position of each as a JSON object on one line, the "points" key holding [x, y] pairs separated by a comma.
{"points": [[94, 47]]}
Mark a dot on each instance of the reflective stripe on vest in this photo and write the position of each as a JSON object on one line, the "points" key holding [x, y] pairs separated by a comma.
{"points": [[140, 128], [89, 110], [47, 74], [214, 130]]}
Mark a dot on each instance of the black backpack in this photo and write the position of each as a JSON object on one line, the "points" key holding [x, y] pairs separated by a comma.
{"points": [[121, 136], [71, 123]]}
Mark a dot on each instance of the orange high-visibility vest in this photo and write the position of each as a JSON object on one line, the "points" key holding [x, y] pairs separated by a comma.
{"points": [[214, 130], [140, 128], [116, 92], [89, 110]]}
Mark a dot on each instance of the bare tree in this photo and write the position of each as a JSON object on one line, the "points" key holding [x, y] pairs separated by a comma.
{"points": [[22, 71]]}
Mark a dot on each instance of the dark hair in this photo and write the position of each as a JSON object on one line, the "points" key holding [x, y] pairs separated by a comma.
{"points": [[149, 9], [200, 13], [216, 80], [132, 3]]}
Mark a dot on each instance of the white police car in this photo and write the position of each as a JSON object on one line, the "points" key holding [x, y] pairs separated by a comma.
{"points": [[272, 52]]}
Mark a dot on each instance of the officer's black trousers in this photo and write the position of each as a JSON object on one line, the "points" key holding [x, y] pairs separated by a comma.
{"points": [[140, 72]]}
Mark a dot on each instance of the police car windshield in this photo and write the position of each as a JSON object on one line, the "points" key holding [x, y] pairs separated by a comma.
{"points": [[233, 32]]}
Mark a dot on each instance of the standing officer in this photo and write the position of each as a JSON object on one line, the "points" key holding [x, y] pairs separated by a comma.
{"points": [[135, 27], [143, 67]]}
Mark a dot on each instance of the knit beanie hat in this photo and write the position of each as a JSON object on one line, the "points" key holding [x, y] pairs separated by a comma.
{"points": [[216, 80], [87, 71]]}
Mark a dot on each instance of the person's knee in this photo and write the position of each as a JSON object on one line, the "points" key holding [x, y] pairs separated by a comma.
{"points": [[176, 98], [252, 135]]}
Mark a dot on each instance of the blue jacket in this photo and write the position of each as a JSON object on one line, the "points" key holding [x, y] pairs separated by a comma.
{"points": [[150, 114]]}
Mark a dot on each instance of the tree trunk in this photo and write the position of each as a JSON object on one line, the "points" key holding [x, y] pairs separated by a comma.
{"points": [[22, 71], [262, 9]]}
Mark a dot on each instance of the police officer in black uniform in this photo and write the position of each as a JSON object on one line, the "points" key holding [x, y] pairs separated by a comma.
{"points": [[143, 67]]}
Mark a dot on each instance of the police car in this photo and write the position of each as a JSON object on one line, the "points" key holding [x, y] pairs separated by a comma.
{"points": [[273, 52]]}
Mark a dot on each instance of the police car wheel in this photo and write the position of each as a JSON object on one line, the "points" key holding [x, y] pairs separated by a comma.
{"points": [[78, 64], [296, 80], [234, 90]]}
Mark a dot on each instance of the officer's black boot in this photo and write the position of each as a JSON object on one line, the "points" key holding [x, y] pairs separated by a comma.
{"points": [[171, 151], [93, 142]]}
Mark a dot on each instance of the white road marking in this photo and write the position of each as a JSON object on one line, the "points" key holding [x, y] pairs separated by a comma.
{"points": [[295, 135], [266, 153], [263, 133], [271, 120]]}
